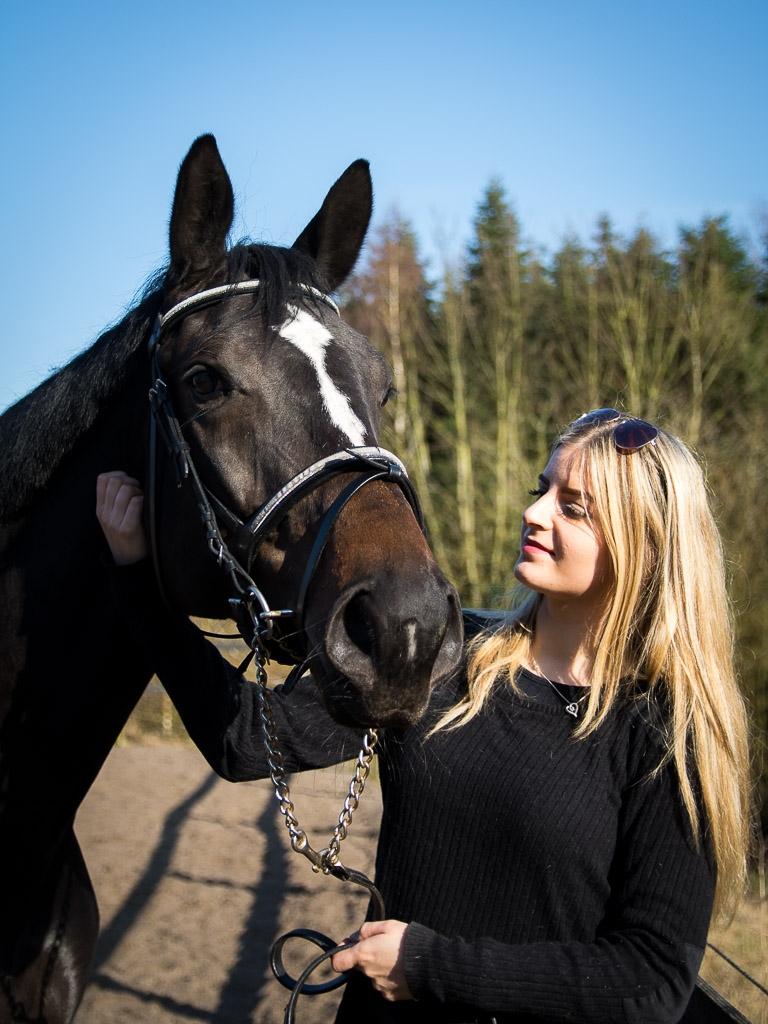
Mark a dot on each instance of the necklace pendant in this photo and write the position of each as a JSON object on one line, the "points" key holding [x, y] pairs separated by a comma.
{"points": [[572, 709]]}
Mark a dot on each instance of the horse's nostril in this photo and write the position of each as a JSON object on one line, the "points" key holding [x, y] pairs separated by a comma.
{"points": [[359, 625]]}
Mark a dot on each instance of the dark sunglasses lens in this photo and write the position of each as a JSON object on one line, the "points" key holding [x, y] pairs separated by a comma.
{"points": [[599, 416], [631, 435]]}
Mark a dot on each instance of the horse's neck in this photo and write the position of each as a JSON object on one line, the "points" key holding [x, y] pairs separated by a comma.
{"points": [[45, 430], [54, 550], [65, 662]]}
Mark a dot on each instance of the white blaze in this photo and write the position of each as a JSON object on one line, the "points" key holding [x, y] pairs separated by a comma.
{"points": [[410, 630], [310, 337]]}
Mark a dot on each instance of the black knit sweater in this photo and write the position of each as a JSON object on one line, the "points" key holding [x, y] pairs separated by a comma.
{"points": [[543, 878]]}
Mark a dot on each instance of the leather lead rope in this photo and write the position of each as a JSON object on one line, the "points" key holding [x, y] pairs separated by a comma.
{"points": [[325, 861], [300, 986]]}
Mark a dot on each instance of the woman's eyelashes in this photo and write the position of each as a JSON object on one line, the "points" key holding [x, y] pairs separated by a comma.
{"points": [[572, 510]]}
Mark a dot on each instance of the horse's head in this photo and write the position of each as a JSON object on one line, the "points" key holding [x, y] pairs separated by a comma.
{"points": [[265, 384]]}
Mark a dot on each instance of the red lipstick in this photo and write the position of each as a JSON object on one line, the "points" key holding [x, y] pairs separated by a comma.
{"points": [[529, 544]]}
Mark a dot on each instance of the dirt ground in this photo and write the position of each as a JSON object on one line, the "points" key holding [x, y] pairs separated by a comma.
{"points": [[195, 879]]}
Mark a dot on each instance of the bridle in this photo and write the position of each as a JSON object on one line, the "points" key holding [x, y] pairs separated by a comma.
{"points": [[233, 543]]}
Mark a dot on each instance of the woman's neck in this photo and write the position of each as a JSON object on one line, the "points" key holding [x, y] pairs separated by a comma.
{"points": [[563, 646]]}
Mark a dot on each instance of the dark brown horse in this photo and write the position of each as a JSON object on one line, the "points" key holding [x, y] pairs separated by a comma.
{"points": [[264, 384]]}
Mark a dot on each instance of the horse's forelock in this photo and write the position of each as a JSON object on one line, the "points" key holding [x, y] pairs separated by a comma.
{"points": [[281, 272]]}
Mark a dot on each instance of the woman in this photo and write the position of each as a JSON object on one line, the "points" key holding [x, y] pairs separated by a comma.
{"points": [[556, 830]]}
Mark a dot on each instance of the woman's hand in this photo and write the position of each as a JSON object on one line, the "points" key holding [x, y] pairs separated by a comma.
{"points": [[119, 504], [379, 955]]}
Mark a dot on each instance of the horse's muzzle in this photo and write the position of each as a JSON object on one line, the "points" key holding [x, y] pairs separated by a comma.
{"points": [[391, 640]]}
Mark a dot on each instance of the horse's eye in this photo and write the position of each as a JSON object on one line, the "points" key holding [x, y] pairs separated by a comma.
{"points": [[203, 382], [391, 393]]}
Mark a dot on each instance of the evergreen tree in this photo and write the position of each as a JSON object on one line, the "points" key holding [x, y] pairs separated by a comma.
{"points": [[496, 234], [715, 246]]}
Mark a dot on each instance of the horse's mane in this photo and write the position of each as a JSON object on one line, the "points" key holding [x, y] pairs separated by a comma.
{"points": [[43, 427]]}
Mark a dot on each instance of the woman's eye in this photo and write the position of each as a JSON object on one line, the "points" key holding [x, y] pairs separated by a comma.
{"points": [[572, 511], [203, 382], [537, 492]]}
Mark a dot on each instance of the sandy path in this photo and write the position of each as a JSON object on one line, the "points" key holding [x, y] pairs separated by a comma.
{"points": [[195, 878]]}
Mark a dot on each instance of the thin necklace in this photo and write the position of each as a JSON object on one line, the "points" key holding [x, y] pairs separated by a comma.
{"points": [[571, 706]]}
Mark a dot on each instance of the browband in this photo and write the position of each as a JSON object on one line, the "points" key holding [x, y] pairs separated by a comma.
{"points": [[212, 295]]}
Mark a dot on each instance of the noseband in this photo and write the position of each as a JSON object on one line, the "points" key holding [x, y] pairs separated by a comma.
{"points": [[232, 541]]}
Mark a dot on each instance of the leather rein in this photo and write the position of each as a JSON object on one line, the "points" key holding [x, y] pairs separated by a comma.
{"points": [[233, 543]]}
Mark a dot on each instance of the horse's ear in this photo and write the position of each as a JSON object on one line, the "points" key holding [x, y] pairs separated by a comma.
{"points": [[335, 234], [203, 207]]}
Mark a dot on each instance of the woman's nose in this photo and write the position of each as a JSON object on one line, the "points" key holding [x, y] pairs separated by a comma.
{"points": [[539, 513]]}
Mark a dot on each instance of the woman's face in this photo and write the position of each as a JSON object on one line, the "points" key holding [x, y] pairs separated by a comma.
{"points": [[562, 553]]}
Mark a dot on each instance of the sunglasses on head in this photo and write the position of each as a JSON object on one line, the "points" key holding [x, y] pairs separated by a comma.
{"points": [[629, 435]]}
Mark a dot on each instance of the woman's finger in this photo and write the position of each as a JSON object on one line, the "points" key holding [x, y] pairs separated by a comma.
{"points": [[123, 498], [101, 486], [113, 486], [107, 484], [119, 507], [113, 492], [132, 517], [345, 960]]}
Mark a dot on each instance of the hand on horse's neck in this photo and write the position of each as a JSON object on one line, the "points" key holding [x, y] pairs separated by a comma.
{"points": [[563, 641]]}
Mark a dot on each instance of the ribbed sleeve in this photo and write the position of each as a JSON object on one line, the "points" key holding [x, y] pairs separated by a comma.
{"points": [[217, 705]]}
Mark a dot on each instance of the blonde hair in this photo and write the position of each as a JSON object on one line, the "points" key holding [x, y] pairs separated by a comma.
{"points": [[666, 631]]}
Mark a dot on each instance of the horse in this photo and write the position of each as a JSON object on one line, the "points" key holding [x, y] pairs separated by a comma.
{"points": [[265, 379]]}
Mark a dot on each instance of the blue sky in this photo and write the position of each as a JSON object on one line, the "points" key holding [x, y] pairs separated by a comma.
{"points": [[652, 112]]}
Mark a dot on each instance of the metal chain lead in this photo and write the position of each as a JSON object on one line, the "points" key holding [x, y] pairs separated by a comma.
{"points": [[322, 860], [356, 787]]}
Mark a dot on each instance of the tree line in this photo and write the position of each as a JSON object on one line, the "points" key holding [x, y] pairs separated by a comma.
{"points": [[496, 355]]}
